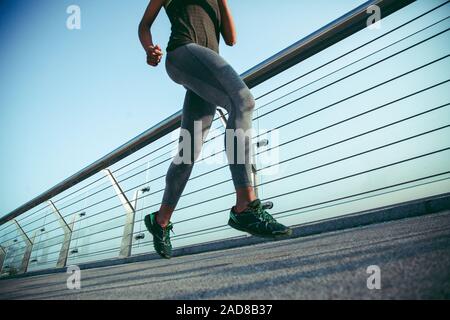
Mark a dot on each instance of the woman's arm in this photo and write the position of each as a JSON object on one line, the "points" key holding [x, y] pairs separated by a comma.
{"points": [[154, 53], [228, 28]]}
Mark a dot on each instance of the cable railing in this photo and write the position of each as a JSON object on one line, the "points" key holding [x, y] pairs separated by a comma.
{"points": [[363, 128]]}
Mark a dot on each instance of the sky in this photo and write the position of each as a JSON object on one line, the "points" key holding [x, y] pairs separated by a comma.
{"points": [[68, 97]]}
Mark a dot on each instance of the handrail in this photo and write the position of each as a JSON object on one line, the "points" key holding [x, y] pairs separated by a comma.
{"points": [[325, 37]]}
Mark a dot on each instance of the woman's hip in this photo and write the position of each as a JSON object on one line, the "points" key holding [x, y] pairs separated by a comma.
{"points": [[205, 72]]}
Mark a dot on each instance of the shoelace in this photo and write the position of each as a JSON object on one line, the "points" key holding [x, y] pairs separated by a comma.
{"points": [[166, 233], [267, 217], [263, 215]]}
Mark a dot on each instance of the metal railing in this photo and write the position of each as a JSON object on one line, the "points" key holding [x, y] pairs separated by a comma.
{"points": [[354, 113]]}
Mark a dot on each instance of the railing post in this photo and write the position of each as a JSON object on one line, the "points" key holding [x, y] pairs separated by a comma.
{"points": [[44, 255], [7, 250], [256, 146], [127, 238], [254, 171], [2, 257], [29, 247], [68, 229]]}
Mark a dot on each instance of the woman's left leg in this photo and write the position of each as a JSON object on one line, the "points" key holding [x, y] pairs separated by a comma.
{"points": [[198, 115]]}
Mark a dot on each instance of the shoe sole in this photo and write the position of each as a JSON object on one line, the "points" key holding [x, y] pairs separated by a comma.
{"points": [[148, 225], [287, 234]]}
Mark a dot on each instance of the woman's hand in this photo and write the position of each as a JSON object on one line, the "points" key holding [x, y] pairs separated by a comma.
{"points": [[154, 55]]}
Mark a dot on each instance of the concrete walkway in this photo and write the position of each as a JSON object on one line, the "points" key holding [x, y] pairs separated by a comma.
{"points": [[413, 255]]}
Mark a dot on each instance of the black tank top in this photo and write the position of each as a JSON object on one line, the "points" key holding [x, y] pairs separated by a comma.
{"points": [[194, 21]]}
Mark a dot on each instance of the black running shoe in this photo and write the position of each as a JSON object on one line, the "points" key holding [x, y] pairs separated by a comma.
{"points": [[258, 222], [161, 236]]}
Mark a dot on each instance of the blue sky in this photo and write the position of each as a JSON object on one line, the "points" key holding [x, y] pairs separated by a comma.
{"points": [[69, 97]]}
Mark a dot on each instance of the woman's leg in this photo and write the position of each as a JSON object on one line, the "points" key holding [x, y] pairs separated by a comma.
{"points": [[195, 109], [212, 78]]}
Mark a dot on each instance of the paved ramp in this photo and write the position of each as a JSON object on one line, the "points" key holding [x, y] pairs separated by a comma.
{"points": [[413, 255]]}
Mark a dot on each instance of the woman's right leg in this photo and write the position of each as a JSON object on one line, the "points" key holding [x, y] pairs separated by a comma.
{"points": [[197, 118]]}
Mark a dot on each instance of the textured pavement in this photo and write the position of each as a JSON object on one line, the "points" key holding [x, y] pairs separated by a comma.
{"points": [[413, 255]]}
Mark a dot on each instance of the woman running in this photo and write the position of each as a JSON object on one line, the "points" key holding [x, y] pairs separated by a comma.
{"points": [[193, 61]]}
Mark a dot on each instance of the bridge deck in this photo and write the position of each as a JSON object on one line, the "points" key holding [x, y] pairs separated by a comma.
{"points": [[413, 254]]}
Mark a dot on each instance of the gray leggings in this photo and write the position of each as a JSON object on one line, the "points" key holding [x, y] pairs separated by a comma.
{"points": [[210, 81]]}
